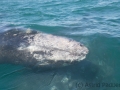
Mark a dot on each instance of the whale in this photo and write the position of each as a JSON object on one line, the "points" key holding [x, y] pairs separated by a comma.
{"points": [[37, 49]]}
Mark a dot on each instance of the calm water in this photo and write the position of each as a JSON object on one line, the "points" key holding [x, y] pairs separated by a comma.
{"points": [[95, 23]]}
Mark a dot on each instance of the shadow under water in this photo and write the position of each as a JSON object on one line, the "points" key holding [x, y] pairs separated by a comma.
{"points": [[64, 78]]}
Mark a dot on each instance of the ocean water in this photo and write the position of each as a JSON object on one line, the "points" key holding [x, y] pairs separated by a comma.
{"points": [[95, 23]]}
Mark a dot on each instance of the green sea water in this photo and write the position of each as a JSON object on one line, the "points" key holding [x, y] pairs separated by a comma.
{"points": [[95, 23]]}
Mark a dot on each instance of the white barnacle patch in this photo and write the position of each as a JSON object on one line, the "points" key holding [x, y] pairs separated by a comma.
{"points": [[14, 34], [32, 48], [37, 56], [28, 31], [60, 55], [22, 46], [49, 47]]}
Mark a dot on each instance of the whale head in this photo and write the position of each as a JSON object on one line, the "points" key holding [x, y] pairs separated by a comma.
{"points": [[42, 49]]}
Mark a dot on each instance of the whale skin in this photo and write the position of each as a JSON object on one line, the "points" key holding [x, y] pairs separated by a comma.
{"points": [[38, 49]]}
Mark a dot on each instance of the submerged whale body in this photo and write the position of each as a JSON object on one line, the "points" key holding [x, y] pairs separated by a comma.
{"points": [[37, 49]]}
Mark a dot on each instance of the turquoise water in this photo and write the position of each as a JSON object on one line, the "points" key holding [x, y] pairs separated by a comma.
{"points": [[95, 23]]}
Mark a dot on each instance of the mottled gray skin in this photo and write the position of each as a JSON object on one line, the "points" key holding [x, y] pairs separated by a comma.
{"points": [[8, 48], [36, 49]]}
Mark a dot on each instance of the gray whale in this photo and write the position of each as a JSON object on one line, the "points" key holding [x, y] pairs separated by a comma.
{"points": [[37, 49]]}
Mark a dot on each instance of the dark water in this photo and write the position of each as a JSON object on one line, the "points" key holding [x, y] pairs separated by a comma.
{"points": [[95, 23]]}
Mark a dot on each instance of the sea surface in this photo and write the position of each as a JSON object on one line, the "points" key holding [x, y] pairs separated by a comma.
{"points": [[95, 23]]}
